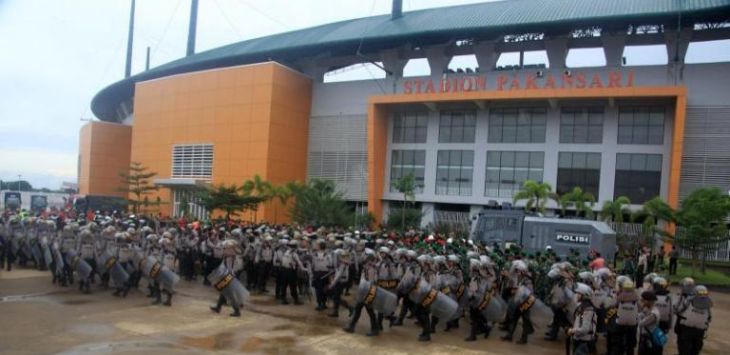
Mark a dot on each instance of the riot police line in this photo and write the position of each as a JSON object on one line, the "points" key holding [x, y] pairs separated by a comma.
{"points": [[439, 283]]}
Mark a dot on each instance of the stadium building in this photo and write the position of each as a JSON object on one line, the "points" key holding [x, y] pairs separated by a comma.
{"points": [[469, 135]]}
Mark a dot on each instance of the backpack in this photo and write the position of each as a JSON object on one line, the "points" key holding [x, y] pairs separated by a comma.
{"points": [[658, 338]]}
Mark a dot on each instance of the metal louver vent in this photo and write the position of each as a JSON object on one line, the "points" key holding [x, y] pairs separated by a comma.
{"points": [[706, 150], [338, 152], [192, 161]]}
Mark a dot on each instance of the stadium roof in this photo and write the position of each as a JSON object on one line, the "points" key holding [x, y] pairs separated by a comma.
{"points": [[423, 27]]}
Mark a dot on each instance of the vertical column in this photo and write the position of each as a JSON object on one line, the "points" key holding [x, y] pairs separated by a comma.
{"points": [[613, 48], [394, 64], [487, 55], [557, 51], [377, 149], [438, 61]]}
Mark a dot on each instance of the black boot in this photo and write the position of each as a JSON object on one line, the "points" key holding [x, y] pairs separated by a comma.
{"points": [[236, 312], [168, 299], [218, 305], [158, 297]]}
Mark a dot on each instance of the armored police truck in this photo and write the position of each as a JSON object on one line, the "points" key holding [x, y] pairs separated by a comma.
{"points": [[505, 227]]}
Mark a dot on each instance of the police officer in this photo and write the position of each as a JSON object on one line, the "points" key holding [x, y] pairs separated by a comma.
{"points": [[321, 266], [582, 332], [290, 264], [693, 319], [663, 303], [338, 282], [369, 274], [648, 321], [627, 318], [264, 262]]}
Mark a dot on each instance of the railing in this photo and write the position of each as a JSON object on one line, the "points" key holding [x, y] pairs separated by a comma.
{"points": [[454, 218]]}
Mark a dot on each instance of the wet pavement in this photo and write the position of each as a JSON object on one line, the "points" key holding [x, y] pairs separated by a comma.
{"points": [[39, 318]]}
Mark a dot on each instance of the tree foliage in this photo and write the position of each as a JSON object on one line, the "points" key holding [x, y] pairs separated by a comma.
{"points": [[703, 219], [228, 199], [535, 194], [319, 203], [21, 185], [257, 187], [406, 185], [618, 212], [136, 184], [651, 214], [582, 202]]}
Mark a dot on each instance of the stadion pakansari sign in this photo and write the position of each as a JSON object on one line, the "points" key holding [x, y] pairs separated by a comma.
{"points": [[520, 81]]}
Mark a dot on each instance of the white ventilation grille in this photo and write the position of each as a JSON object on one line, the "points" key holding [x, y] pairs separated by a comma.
{"points": [[338, 152], [705, 156], [192, 161]]}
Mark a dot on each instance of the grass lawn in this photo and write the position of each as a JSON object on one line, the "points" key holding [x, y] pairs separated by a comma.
{"points": [[710, 278]]}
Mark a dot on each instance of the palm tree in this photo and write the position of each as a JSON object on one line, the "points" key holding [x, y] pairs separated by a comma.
{"points": [[407, 186], [653, 212], [615, 211], [582, 202], [536, 194], [257, 187], [282, 193]]}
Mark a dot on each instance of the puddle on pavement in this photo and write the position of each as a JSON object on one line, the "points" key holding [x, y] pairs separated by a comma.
{"points": [[127, 347], [251, 344], [75, 302], [220, 341], [93, 329]]}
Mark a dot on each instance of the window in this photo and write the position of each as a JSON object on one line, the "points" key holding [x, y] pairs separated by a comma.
{"points": [[454, 172], [404, 162], [512, 125], [641, 125], [581, 125], [579, 169], [457, 127], [638, 176], [507, 171], [192, 161], [410, 127]]}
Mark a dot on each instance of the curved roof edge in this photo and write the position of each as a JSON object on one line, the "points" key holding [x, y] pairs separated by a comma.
{"points": [[420, 27]]}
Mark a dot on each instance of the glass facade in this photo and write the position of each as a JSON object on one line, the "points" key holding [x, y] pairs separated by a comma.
{"points": [[638, 176], [581, 125], [457, 126], [641, 125], [454, 172], [410, 127], [513, 125], [404, 162], [579, 169], [508, 170]]}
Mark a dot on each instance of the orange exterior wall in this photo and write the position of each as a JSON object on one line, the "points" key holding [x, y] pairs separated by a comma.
{"points": [[104, 152], [256, 116], [378, 124]]}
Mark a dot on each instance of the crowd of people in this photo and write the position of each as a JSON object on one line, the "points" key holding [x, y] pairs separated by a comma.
{"points": [[439, 281]]}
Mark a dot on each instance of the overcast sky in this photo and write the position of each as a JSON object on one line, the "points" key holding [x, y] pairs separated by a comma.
{"points": [[57, 54]]}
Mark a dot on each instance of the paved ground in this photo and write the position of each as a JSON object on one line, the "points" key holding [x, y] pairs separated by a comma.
{"points": [[39, 318]]}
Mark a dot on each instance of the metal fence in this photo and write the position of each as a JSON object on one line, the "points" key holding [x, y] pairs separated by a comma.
{"points": [[717, 252], [456, 219]]}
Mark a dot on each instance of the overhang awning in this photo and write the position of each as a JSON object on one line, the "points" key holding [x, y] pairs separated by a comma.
{"points": [[182, 183]]}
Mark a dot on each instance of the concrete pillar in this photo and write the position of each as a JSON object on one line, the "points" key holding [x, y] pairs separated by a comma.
{"points": [[486, 55], [438, 61], [557, 51], [393, 63], [677, 44], [427, 209], [613, 48]]}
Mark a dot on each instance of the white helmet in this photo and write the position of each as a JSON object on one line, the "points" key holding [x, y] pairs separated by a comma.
{"points": [[439, 259], [583, 290]]}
